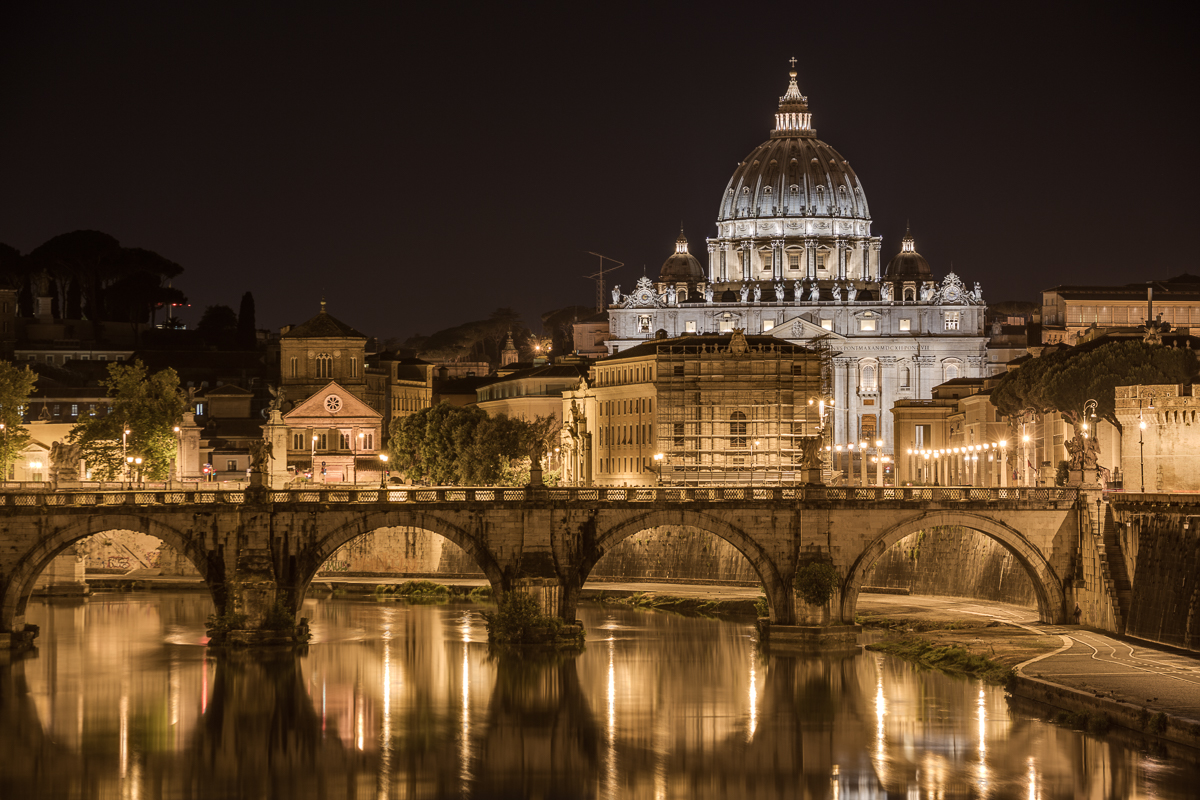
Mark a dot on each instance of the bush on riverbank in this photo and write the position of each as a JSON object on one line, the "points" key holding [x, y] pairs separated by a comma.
{"points": [[949, 658], [688, 606]]}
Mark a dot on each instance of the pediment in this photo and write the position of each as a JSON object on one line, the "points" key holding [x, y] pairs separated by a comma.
{"points": [[798, 329], [331, 402]]}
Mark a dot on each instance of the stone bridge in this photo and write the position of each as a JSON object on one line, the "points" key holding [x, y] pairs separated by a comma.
{"points": [[258, 547]]}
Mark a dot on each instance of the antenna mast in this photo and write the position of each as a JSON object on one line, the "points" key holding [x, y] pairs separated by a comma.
{"points": [[599, 277]]}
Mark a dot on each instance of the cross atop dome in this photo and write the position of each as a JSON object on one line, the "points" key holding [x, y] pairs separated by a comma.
{"points": [[794, 118], [907, 245]]}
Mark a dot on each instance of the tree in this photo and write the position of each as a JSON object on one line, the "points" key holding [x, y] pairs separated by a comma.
{"points": [[218, 327], [447, 444], [149, 406], [16, 384], [1064, 381], [247, 332]]}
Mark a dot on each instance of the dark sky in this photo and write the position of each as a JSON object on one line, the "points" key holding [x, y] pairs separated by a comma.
{"points": [[423, 167]]}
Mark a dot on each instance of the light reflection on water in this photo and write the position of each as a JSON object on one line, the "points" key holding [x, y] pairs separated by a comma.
{"points": [[393, 701]]}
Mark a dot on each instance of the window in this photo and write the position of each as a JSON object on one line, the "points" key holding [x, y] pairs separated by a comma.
{"points": [[905, 377], [737, 429], [644, 323], [74, 409], [725, 325], [91, 409], [793, 261], [827, 324], [868, 426], [200, 409], [868, 378], [681, 294], [821, 262], [343, 440], [103, 357], [766, 261], [910, 294], [368, 440], [231, 465], [951, 371], [906, 324], [353, 366], [678, 431], [952, 320], [57, 409], [295, 367], [324, 365], [768, 324], [49, 359], [690, 326], [866, 324], [298, 441], [922, 436]]}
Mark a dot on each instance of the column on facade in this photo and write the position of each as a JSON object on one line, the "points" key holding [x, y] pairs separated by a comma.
{"points": [[712, 264], [747, 269], [873, 254], [810, 258], [777, 259], [841, 259]]}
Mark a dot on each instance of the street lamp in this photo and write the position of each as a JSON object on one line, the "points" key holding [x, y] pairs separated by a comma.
{"points": [[124, 440], [358, 442], [137, 464], [383, 472], [879, 463], [314, 458], [658, 459]]}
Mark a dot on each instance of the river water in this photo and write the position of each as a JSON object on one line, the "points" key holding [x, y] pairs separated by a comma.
{"points": [[122, 700]]}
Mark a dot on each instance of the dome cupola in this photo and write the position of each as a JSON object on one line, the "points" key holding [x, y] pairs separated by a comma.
{"points": [[681, 265], [908, 263]]}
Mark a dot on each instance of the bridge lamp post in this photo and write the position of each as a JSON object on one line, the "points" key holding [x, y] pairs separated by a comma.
{"points": [[124, 444], [837, 456], [137, 467], [178, 455], [658, 459], [1004, 463], [383, 471], [879, 462], [1024, 458], [314, 458]]}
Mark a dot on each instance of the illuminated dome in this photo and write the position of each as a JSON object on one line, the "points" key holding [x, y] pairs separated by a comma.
{"points": [[682, 265], [908, 263], [793, 174]]}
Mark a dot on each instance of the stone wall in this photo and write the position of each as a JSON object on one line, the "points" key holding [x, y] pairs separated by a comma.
{"points": [[401, 551], [674, 552], [1166, 581], [1092, 590], [122, 552], [954, 561]]}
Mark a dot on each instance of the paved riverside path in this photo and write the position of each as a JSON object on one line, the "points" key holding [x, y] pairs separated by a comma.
{"points": [[1124, 669]]}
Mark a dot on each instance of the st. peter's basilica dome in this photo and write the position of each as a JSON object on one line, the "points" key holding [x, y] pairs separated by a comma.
{"points": [[908, 263], [793, 174]]}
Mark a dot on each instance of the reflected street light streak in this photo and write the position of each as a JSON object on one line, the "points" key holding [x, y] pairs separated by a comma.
{"points": [[385, 733], [613, 779], [983, 770], [464, 769], [881, 763], [753, 700]]}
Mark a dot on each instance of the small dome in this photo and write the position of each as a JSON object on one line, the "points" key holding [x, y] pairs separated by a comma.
{"points": [[908, 263], [682, 265]]}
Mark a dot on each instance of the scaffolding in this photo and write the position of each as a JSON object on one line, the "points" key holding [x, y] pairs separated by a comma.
{"points": [[733, 410]]}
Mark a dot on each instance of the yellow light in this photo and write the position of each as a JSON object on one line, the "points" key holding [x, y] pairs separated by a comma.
{"points": [[1003, 442], [383, 457], [879, 442], [1025, 439], [910, 451], [1142, 424], [658, 456], [838, 448]]}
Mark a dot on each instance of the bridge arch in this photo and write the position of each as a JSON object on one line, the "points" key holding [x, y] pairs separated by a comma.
{"points": [[16, 590], [330, 541], [1047, 586], [779, 600]]}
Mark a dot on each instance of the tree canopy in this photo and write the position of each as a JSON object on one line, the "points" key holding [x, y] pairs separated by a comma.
{"points": [[480, 340], [218, 327], [247, 328], [149, 406], [16, 383], [1063, 381], [447, 444]]}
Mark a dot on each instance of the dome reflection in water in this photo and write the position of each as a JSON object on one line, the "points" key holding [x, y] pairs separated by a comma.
{"points": [[123, 700]]}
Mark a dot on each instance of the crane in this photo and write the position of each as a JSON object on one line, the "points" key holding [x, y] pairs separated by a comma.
{"points": [[599, 277]]}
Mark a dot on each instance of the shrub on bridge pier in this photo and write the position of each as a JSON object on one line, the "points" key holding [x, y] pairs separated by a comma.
{"points": [[518, 621]]}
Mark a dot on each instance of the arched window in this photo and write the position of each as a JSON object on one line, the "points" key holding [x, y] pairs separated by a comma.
{"points": [[910, 294], [324, 365], [737, 429], [950, 371], [868, 378], [905, 377]]}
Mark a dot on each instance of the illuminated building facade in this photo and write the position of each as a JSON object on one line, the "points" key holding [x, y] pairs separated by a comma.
{"points": [[794, 259]]}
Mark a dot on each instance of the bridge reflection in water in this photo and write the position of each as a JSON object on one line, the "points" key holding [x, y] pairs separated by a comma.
{"points": [[398, 701]]}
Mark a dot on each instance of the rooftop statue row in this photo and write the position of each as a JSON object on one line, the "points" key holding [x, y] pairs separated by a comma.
{"points": [[952, 292]]}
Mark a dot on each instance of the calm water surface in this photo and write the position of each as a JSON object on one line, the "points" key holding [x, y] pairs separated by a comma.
{"points": [[122, 700]]}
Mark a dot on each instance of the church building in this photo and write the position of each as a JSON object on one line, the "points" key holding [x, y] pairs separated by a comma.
{"points": [[794, 258]]}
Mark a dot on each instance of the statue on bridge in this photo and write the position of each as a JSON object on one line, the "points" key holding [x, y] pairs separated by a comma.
{"points": [[810, 452], [1083, 451], [261, 453], [64, 461]]}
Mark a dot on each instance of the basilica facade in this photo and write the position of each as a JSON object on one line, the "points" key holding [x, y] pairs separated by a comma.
{"points": [[794, 259]]}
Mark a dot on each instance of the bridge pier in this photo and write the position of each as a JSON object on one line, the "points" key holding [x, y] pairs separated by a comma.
{"points": [[257, 611]]}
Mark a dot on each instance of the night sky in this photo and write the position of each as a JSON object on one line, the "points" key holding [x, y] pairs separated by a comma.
{"points": [[421, 168]]}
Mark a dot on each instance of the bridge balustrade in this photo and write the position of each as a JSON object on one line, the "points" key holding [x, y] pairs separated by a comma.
{"points": [[458, 495]]}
